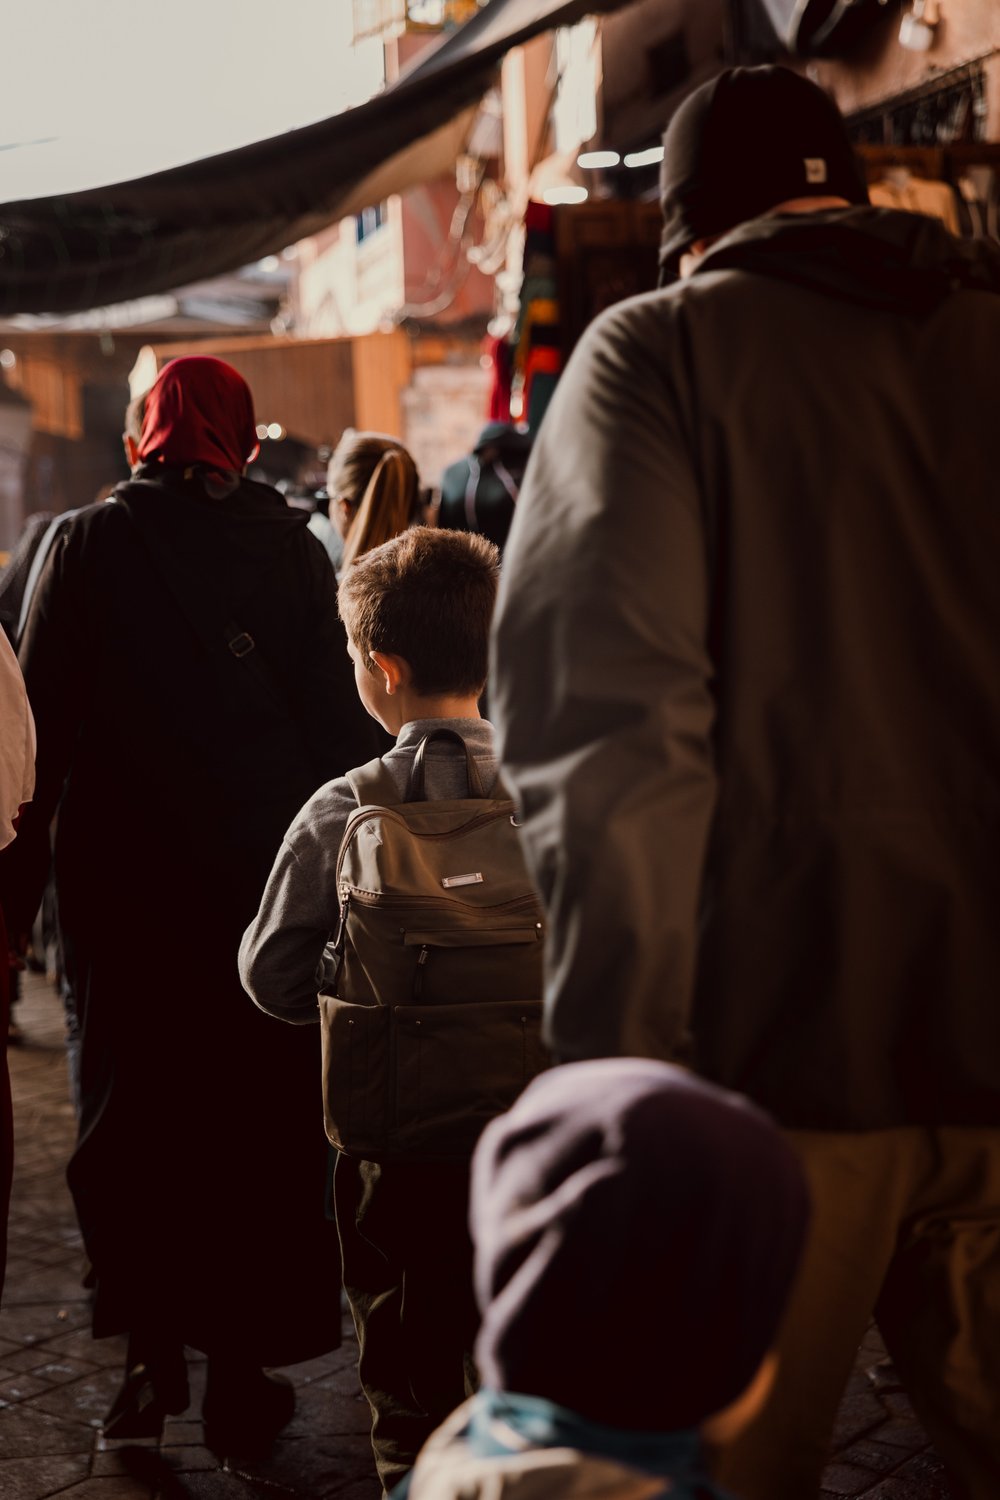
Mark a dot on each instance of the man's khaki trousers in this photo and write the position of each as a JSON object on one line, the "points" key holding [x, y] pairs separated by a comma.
{"points": [[906, 1226]]}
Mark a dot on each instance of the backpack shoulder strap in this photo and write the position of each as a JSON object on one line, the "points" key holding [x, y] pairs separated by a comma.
{"points": [[507, 479], [415, 784], [472, 484], [372, 785]]}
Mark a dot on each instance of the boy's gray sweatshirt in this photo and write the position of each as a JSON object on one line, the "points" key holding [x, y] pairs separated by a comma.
{"points": [[285, 957]]}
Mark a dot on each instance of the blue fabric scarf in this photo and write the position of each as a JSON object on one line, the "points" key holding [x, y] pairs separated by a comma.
{"points": [[676, 1456]]}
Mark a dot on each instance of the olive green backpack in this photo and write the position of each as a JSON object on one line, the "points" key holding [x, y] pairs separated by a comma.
{"points": [[434, 1026]]}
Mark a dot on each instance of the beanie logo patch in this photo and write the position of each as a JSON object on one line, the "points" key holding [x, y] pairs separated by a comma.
{"points": [[815, 168]]}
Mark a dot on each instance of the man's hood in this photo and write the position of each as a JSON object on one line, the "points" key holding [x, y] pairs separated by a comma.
{"points": [[878, 257]]}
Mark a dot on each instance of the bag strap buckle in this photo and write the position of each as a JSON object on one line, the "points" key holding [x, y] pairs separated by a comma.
{"points": [[242, 644]]}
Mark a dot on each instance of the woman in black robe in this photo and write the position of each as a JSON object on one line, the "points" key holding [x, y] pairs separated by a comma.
{"points": [[191, 687]]}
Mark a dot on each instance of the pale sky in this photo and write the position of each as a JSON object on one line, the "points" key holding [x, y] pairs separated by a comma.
{"points": [[100, 91]]}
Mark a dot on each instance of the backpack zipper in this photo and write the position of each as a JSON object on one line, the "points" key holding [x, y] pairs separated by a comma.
{"points": [[345, 902], [441, 903], [365, 815], [418, 977]]}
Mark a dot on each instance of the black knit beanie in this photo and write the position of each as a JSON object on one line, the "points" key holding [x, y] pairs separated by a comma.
{"points": [[636, 1232], [743, 143]]}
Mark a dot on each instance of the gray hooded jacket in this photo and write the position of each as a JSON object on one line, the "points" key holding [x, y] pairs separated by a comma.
{"points": [[746, 674]]}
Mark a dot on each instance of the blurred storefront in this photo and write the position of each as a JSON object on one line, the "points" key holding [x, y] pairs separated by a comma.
{"points": [[15, 439], [455, 287], [584, 110]]}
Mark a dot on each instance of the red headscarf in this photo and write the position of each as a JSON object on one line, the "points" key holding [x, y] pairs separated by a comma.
{"points": [[200, 411]]}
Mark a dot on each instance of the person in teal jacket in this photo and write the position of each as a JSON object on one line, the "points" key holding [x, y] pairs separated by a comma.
{"points": [[636, 1233]]}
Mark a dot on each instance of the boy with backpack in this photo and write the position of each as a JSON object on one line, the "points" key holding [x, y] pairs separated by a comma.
{"points": [[400, 897]]}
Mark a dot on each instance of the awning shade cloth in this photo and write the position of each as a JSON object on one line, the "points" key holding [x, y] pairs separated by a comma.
{"points": [[109, 244], [824, 28]]}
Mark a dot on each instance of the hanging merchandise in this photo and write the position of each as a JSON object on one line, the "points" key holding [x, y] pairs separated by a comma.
{"points": [[901, 188], [979, 189], [925, 149], [917, 28], [537, 335], [823, 28], [500, 361], [949, 109], [958, 185]]}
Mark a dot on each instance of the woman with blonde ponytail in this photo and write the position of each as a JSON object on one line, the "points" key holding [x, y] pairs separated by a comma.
{"points": [[374, 491]]}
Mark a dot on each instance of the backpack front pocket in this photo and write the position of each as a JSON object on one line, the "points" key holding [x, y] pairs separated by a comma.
{"points": [[450, 965], [456, 1066]]}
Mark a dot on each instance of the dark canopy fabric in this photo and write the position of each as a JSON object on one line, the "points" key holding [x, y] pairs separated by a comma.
{"points": [[822, 28], [110, 244]]}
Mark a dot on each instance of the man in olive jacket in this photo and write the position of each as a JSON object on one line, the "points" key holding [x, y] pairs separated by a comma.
{"points": [[747, 686]]}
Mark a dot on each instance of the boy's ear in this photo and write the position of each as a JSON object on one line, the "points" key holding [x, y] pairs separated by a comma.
{"points": [[395, 671]]}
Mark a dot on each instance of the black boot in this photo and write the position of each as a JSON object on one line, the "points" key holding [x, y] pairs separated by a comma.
{"points": [[244, 1409], [155, 1386]]}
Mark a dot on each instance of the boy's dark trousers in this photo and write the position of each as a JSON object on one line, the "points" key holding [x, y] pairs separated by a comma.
{"points": [[408, 1275]]}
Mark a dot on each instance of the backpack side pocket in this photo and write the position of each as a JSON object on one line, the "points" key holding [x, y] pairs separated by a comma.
{"points": [[356, 1075]]}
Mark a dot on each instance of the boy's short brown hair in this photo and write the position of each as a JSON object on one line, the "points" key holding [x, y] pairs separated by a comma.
{"points": [[427, 596]]}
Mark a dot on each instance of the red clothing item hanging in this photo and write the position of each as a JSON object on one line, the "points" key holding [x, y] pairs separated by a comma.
{"points": [[500, 355]]}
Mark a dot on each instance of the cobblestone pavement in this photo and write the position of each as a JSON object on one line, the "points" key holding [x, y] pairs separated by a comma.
{"points": [[56, 1382]]}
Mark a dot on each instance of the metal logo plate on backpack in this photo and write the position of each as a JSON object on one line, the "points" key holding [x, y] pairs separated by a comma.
{"points": [[452, 880]]}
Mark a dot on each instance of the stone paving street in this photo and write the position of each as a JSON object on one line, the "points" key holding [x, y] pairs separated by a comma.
{"points": [[56, 1382]]}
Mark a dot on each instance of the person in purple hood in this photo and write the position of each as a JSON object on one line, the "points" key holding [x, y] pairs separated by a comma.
{"points": [[606, 1175]]}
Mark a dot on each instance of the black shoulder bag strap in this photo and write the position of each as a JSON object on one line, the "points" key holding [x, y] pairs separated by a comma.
{"points": [[242, 645], [42, 551], [505, 477]]}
